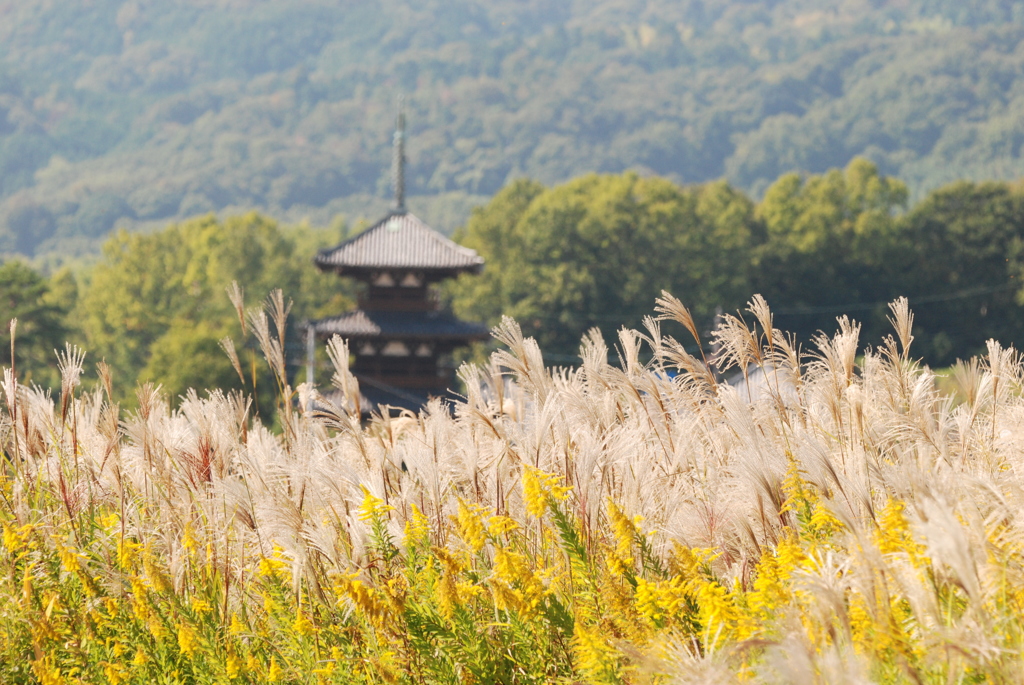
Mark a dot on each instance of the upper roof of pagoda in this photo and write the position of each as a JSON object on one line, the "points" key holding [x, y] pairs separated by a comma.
{"points": [[399, 241]]}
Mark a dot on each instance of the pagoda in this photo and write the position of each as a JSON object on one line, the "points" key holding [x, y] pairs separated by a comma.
{"points": [[399, 334]]}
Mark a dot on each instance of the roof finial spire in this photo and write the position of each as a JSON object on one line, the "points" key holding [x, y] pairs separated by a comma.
{"points": [[398, 157]]}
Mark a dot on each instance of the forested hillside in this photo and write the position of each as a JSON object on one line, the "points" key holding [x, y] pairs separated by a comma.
{"points": [[139, 112]]}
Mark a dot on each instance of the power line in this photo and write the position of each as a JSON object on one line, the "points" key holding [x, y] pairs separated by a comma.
{"points": [[924, 299]]}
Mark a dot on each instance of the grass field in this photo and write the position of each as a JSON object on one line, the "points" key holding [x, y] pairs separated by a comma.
{"points": [[610, 523]]}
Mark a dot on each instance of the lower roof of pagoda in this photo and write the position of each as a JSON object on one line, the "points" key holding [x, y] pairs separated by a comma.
{"points": [[380, 397], [398, 325]]}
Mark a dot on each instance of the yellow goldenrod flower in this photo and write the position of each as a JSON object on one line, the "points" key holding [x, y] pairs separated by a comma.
{"points": [[69, 559], [394, 591], [233, 666], [772, 583], [447, 588], [804, 501], [140, 658], [154, 574], [188, 541], [139, 598], [594, 656], [371, 602], [114, 673], [539, 489], [417, 529], [659, 601], [718, 613], [861, 625], [894, 536], [156, 628], [471, 526], [46, 671], [372, 506], [516, 584], [12, 541], [506, 598], [237, 627], [533, 494], [303, 626], [617, 566], [324, 672], [16, 538], [647, 600], [692, 562], [275, 565], [187, 641], [793, 486], [89, 584], [201, 606], [468, 591], [823, 523], [126, 553], [789, 553], [625, 530], [52, 601], [499, 525], [274, 672]]}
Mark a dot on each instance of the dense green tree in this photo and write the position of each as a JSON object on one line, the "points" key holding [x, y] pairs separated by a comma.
{"points": [[830, 241], [492, 231], [41, 329], [597, 252], [189, 355], [961, 263], [156, 306]]}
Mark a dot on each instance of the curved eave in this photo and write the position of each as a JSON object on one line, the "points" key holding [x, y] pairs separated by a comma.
{"points": [[392, 335], [367, 272], [374, 325], [400, 241]]}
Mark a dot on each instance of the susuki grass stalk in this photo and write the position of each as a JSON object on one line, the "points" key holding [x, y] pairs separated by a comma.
{"points": [[840, 523]]}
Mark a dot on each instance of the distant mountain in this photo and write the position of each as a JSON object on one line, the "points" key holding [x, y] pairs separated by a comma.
{"points": [[134, 113]]}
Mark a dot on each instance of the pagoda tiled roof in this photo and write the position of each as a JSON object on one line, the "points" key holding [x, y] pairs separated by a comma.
{"points": [[434, 325], [399, 241]]}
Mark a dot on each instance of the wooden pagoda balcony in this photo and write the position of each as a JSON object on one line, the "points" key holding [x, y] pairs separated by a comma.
{"points": [[385, 299]]}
